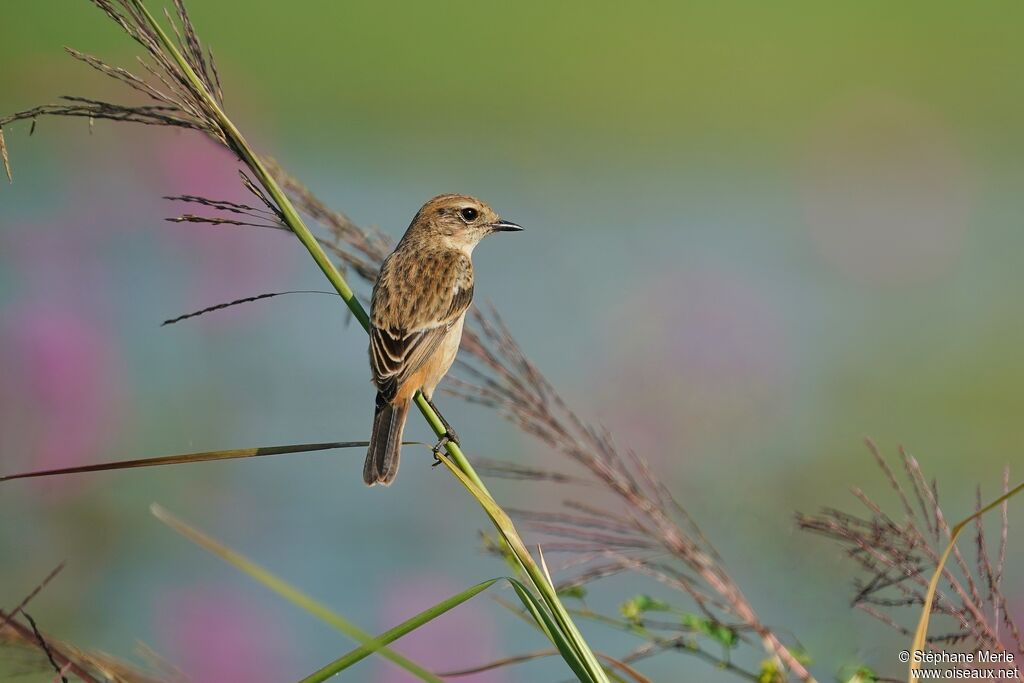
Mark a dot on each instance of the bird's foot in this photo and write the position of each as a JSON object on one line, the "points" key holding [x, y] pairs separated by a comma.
{"points": [[449, 437]]}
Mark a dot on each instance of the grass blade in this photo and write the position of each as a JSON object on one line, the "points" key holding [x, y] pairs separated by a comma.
{"points": [[397, 632], [4, 158], [540, 654], [183, 458], [921, 634], [290, 593], [293, 220], [198, 107], [565, 647], [533, 607], [557, 620], [241, 146]]}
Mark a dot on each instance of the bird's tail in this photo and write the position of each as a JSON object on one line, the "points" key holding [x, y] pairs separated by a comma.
{"points": [[381, 464]]}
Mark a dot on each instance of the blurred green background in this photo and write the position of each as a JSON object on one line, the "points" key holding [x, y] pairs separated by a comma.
{"points": [[756, 233]]}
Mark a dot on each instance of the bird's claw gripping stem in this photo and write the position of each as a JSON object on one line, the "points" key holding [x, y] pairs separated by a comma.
{"points": [[442, 442]]}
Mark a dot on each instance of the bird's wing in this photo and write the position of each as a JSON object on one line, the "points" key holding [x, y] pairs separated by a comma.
{"points": [[396, 353]]}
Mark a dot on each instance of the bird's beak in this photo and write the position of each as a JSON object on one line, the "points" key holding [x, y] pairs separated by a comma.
{"points": [[505, 226]]}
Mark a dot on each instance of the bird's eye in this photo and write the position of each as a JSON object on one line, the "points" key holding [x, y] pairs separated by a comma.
{"points": [[469, 214]]}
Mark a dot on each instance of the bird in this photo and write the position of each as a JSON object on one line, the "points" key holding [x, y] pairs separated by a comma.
{"points": [[417, 311]]}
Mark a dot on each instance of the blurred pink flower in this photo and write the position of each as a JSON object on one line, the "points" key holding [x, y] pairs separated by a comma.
{"points": [[462, 638], [217, 634], [709, 362], [62, 389], [219, 262]]}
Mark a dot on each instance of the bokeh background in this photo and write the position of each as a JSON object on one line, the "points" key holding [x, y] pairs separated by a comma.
{"points": [[756, 234]]}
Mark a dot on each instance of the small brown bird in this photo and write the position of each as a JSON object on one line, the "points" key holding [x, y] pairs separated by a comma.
{"points": [[416, 314]]}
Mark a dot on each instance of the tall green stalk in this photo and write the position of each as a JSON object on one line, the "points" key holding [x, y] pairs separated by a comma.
{"points": [[463, 469], [294, 221]]}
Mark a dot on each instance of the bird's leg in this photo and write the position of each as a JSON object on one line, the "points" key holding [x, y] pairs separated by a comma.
{"points": [[449, 433]]}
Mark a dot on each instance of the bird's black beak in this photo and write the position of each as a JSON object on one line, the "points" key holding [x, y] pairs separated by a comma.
{"points": [[505, 226]]}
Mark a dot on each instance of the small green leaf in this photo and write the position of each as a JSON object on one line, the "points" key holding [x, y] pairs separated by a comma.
{"points": [[717, 631], [578, 592], [725, 635], [692, 622], [770, 673], [634, 608], [630, 610], [648, 604], [857, 674]]}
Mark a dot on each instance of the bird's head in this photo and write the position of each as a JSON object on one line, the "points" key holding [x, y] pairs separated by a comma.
{"points": [[460, 221]]}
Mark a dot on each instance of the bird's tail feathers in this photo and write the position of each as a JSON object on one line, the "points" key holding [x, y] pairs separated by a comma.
{"points": [[381, 464]]}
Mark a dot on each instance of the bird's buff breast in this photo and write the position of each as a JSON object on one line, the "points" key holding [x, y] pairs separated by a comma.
{"points": [[434, 369]]}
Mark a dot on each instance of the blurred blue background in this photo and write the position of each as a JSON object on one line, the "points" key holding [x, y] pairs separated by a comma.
{"points": [[755, 235]]}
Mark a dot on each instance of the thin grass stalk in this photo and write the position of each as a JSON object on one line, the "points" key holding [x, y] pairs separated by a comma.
{"points": [[240, 145], [368, 643], [540, 654], [921, 633], [538, 577], [188, 458], [289, 592], [291, 217], [397, 632]]}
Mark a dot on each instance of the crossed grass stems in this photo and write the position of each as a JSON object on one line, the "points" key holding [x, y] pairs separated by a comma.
{"points": [[895, 556], [641, 528]]}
